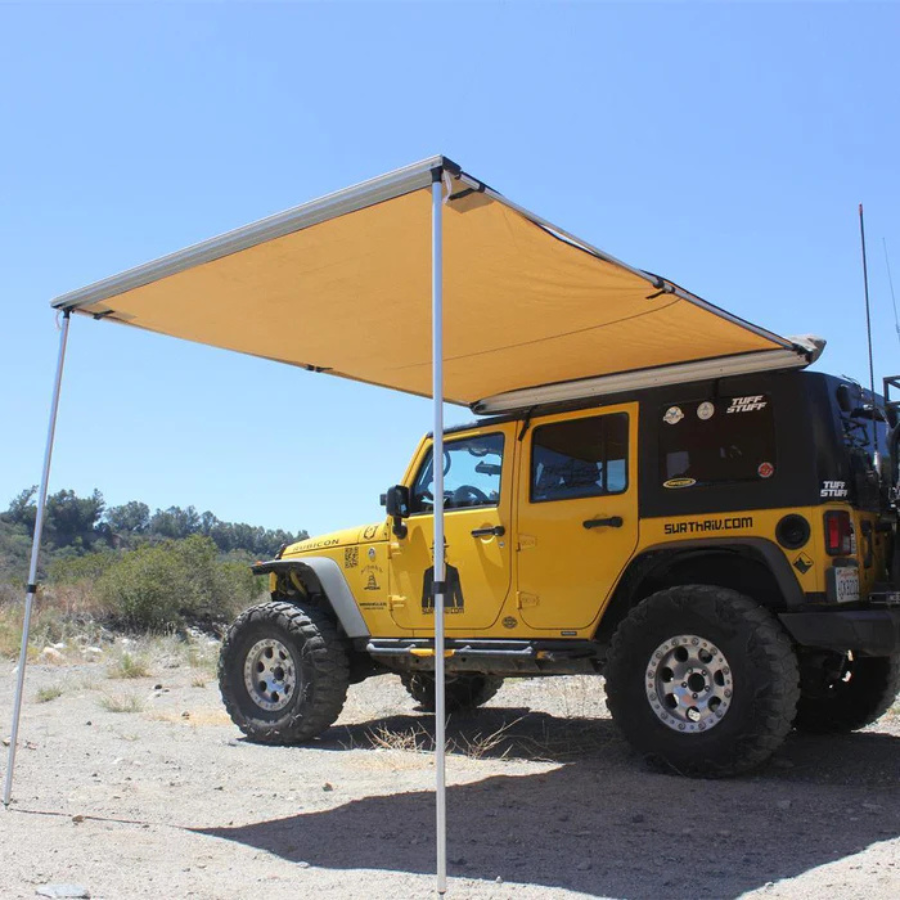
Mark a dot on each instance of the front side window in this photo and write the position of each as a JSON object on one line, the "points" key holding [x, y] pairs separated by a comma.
{"points": [[472, 470], [580, 458], [706, 442]]}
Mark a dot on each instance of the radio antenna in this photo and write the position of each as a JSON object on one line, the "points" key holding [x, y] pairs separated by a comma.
{"points": [[862, 235], [887, 262]]}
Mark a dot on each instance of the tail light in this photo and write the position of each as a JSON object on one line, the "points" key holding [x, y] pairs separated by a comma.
{"points": [[838, 533]]}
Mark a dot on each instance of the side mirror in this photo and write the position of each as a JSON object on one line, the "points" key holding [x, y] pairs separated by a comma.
{"points": [[396, 500]]}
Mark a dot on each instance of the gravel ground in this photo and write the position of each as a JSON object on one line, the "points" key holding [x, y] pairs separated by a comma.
{"points": [[142, 788]]}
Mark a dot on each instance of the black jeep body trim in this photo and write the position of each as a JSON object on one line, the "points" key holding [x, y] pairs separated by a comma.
{"points": [[760, 550], [870, 632]]}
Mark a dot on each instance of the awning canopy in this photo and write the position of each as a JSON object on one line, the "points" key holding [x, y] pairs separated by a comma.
{"points": [[343, 285]]}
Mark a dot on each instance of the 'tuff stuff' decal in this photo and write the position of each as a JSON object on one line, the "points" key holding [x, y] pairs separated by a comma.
{"points": [[747, 404]]}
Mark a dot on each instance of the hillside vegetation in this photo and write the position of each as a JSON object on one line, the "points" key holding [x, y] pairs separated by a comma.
{"points": [[125, 567]]}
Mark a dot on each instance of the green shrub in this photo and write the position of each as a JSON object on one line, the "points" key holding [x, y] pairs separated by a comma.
{"points": [[73, 569], [162, 586]]}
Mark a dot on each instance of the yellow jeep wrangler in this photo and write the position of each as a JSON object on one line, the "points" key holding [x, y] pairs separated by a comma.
{"points": [[722, 552]]}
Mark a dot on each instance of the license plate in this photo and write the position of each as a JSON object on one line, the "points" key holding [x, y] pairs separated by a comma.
{"points": [[846, 582]]}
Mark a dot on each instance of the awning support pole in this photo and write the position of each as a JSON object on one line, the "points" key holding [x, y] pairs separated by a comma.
{"points": [[437, 465], [31, 589]]}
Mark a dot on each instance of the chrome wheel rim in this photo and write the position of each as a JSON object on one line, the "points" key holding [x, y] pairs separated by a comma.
{"points": [[689, 683], [269, 674]]}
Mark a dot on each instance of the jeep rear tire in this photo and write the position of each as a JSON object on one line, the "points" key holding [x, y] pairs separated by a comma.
{"points": [[843, 694], [462, 692], [702, 679], [283, 673]]}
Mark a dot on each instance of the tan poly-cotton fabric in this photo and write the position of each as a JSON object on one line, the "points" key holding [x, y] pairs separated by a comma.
{"points": [[352, 295]]}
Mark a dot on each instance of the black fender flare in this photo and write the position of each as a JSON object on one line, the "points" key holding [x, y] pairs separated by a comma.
{"points": [[334, 584], [762, 549]]}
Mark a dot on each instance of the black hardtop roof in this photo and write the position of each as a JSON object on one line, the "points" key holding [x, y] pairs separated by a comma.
{"points": [[739, 384]]}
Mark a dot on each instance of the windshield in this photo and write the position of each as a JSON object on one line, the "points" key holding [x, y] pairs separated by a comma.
{"points": [[472, 470]]}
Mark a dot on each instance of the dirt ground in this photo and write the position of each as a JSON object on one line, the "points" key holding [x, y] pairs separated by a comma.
{"points": [[141, 787]]}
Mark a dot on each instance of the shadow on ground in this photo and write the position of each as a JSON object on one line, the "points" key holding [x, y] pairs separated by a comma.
{"points": [[602, 822]]}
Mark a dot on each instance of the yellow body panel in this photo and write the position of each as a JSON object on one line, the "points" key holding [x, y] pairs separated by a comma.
{"points": [[565, 571], [481, 566], [548, 575]]}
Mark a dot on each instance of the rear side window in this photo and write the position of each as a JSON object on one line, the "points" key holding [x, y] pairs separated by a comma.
{"points": [[717, 441], [580, 458]]}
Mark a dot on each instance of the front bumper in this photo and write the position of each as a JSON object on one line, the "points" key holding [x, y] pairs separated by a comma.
{"points": [[869, 632]]}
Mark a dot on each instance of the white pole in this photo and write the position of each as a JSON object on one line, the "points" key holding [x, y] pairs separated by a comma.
{"points": [[437, 393], [31, 589]]}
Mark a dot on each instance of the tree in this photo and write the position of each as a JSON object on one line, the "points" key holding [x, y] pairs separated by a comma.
{"points": [[129, 519], [72, 520], [22, 510], [175, 522]]}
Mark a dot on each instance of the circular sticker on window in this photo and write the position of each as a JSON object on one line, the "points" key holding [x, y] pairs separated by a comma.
{"points": [[766, 470], [706, 411], [673, 415]]}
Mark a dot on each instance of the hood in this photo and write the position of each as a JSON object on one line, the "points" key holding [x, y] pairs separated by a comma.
{"points": [[361, 534]]}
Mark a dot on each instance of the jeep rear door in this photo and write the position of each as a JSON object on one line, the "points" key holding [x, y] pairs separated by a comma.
{"points": [[577, 514], [478, 489]]}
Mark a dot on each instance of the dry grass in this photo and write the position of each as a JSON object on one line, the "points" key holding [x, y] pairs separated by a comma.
{"points": [[413, 740], [203, 656], [122, 703], [71, 614], [59, 615], [129, 665], [496, 744], [46, 694]]}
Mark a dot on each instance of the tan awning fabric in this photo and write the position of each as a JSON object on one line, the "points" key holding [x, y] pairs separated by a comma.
{"points": [[344, 285]]}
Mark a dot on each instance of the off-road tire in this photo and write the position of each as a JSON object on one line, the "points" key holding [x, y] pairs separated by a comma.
{"points": [[318, 661], [841, 705], [762, 687], [462, 692]]}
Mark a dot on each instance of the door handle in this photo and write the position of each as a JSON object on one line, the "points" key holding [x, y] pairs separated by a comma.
{"points": [[611, 522], [494, 531]]}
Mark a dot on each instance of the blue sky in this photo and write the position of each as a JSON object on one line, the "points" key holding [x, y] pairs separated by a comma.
{"points": [[725, 146]]}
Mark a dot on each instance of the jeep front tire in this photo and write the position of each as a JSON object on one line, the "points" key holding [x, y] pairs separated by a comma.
{"points": [[702, 679], [283, 673]]}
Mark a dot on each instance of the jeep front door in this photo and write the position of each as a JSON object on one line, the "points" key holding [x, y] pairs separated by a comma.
{"points": [[577, 515], [478, 491]]}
